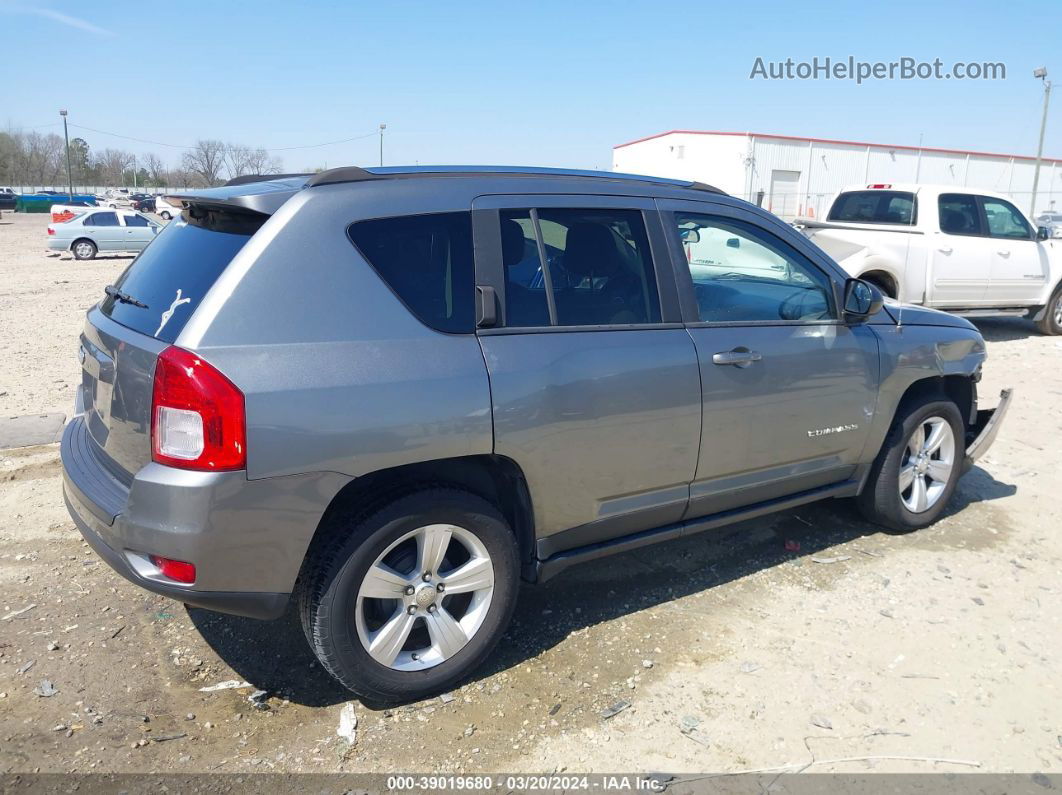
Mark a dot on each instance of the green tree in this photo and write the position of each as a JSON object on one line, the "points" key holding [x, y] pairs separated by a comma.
{"points": [[80, 157]]}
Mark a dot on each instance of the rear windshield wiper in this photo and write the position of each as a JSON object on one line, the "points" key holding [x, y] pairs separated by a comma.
{"points": [[125, 298]]}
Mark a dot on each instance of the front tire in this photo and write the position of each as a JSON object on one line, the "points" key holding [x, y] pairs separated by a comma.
{"points": [[915, 474], [1051, 323], [408, 601], [84, 249]]}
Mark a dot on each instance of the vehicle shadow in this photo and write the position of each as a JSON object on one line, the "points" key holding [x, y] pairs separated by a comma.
{"points": [[274, 655], [1005, 329]]}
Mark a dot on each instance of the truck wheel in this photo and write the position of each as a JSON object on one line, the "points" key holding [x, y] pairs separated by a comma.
{"points": [[1051, 322], [919, 465], [410, 600], [84, 249]]}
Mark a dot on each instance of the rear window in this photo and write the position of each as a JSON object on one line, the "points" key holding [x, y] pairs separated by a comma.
{"points": [[875, 207], [427, 261], [176, 270]]}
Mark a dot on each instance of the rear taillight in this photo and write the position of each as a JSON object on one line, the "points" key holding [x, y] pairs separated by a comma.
{"points": [[197, 415], [51, 231], [174, 569]]}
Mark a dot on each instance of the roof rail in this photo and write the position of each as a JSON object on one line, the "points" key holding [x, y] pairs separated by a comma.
{"points": [[246, 179], [355, 174]]}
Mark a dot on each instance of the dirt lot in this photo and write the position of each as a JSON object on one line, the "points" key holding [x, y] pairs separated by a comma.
{"points": [[731, 651]]}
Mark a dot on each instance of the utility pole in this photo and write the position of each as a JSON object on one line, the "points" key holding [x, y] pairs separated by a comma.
{"points": [[134, 173], [382, 128], [69, 174], [1042, 74]]}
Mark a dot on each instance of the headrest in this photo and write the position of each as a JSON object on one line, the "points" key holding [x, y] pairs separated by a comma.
{"points": [[591, 251], [512, 235]]}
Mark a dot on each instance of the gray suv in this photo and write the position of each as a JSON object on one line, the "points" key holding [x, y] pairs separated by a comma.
{"points": [[393, 394]]}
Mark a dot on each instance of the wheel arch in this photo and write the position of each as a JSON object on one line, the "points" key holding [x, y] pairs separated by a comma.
{"points": [[77, 240], [960, 389], [883, 279], [495, 478]]}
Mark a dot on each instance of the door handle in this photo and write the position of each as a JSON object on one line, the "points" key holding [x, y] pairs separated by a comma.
{"points": [[739, 357], [1003, 253], [945, 249]]}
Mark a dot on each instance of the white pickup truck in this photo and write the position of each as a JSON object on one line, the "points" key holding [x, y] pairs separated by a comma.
{"points": [[964, 250]]}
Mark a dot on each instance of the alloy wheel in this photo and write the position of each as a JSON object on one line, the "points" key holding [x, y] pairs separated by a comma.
{"points": [[424, 597], [927, 464]]}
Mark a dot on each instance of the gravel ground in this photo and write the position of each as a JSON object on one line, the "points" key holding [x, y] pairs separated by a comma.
{"points": [[722, 652]]}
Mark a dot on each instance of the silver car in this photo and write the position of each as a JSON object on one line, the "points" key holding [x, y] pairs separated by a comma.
{"points": [[102, 229], [1052, 221], [391, 395]]}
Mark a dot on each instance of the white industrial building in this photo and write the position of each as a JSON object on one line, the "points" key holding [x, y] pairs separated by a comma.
{"points": [[794, 176]]}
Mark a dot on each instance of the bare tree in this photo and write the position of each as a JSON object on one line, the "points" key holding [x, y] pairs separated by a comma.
{"points": [[259, 161], [43, 158], [156, 169], [241, 160], [112, 165], [206, 161]]}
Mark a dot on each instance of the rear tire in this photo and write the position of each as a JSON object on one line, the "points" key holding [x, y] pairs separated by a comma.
{"points": [[1051, 323], [911, 480], [376, 637], [84, 249]]}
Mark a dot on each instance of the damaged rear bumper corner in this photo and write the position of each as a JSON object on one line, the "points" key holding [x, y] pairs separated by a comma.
{"points": [[983, 432]]}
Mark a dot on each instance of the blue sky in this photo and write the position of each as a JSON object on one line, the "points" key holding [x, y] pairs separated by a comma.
{"points": [[547, 83]]}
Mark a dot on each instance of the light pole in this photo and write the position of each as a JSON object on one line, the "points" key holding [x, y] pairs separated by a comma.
{"points": [[382, 128], [1042, 74], [69, 174]]}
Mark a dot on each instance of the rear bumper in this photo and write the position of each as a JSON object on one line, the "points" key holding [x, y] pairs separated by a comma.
{"points": [[981, 436], [246, 538], [58, 245], [253, 605]]}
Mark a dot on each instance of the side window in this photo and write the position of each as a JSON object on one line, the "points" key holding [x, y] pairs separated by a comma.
{"points": [[1004, 220], [427, 261], [958, 214], [136, 220], [598, 265], [102, 219], [742, 273]]}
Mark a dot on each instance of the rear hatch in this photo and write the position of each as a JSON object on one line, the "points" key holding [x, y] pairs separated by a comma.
{"points": [[142, 314]]}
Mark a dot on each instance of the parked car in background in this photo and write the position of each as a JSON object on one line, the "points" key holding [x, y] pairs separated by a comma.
{"points": [[165, 210], [966, 250], [102, 229], [8, 197], [114, 198], [144, 203], [1052, 221], [397, 451]]}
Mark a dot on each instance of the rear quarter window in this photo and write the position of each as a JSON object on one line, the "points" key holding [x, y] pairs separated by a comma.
{"points": [[875, 207], [427, 262], [175, 271]]}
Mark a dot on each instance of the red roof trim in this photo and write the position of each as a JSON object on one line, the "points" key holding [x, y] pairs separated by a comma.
{"points": [[837, 141]]}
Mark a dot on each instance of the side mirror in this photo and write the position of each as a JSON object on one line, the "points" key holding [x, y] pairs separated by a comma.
{"points": [[1043, 233], [691, 236], [733, 242], [861, 300]]}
